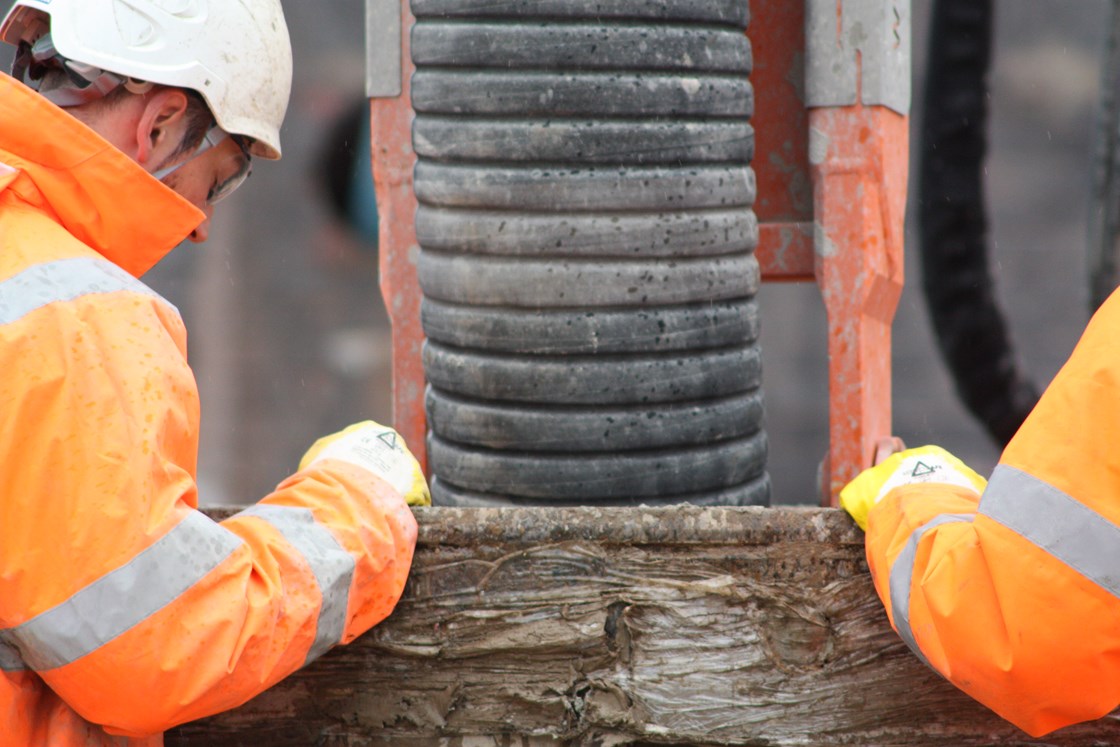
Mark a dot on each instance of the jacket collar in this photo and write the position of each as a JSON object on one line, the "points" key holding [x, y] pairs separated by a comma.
{"points": [[98, 194]]}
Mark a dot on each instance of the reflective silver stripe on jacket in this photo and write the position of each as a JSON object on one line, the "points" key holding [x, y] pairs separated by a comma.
{"points": [[64, 280], [10, 660], [121, 599], [332, 565], [1062, 526], [1067, 529], [902, 575]]}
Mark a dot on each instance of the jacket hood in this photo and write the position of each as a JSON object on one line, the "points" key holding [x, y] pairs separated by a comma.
{"points": [[98, 194]]}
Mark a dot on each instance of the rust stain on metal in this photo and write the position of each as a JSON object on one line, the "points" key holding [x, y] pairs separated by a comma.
{"points": [[393, 162]]}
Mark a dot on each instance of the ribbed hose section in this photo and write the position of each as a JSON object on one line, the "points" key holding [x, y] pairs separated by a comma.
{"points": [[587, 252]]}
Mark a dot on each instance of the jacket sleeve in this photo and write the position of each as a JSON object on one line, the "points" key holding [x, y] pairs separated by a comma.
{"points": [[135, 608], [1014, 598]]}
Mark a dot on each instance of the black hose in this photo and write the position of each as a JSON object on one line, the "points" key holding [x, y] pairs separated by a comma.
{"points": [[1104, 215], [958, 284]]}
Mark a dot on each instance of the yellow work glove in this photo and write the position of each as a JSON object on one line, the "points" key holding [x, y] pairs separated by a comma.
{"points": [[380, 450], [930, 464]]}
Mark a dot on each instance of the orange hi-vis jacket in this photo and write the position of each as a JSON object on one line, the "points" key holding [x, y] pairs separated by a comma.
{"points": [[1016, 599], [123, 610]]}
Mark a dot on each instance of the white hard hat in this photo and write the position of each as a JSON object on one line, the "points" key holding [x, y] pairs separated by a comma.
{"points": [[236, 55]]}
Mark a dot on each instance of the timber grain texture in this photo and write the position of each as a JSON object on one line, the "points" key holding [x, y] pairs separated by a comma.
{"points": [[530, 627]]}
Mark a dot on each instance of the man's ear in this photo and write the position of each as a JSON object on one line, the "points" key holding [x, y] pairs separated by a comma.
{"points": [[161, 127]]}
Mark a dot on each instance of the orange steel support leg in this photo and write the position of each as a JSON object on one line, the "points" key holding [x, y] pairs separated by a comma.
{"points": [[393, 162], [858, 165]]}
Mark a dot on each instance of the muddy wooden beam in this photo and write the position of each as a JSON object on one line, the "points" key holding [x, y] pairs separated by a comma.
{"points": [[626, 626]]}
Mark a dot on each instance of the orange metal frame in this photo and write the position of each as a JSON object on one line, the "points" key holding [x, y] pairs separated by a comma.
{"points": [[393, 162], [832, 193]]}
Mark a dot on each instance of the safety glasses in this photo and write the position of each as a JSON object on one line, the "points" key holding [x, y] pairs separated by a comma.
{"points": [[223, 190], [214, 137]]}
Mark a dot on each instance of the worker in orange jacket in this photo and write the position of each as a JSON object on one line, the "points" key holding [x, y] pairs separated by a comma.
{"points": [[1010, 588], [123, 610]]}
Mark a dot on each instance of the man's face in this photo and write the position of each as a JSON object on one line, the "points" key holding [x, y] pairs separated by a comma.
{"points": [[201, 177], [150, 128]]}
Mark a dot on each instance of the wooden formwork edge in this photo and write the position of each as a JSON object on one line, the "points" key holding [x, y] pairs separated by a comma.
{"points": [[625, 626]]}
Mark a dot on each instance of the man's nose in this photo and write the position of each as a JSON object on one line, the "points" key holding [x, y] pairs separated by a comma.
{"points": [[201, 233]]}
